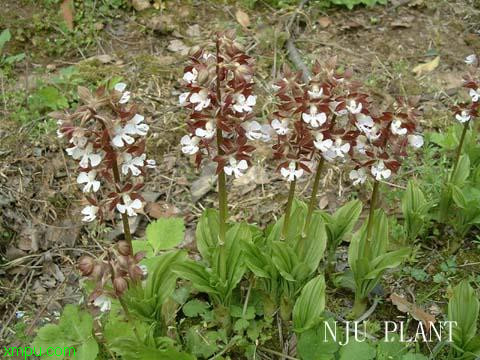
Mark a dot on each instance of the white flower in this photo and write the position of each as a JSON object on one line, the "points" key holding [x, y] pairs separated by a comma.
{"points": [[316, 92], [78, 138], [144, 270], [353, 107], [291, 173], [366, 125], [132, 164], [358, 176], [396, 128], [236, 168], [208, 132], [120, 87], [379, 171], [471, 59], [89, 213], [89, 180], [340, 148], [151, 164], [415, 141], [121, 136], [190, 77], [464, 116], [129, 206], [333, 107], [103, 302], [281, 128], [267, 132], [189, 144], [321, 144], [243, 104], [314, 118], [360, 147], [474, 94], [135, 126], [182, 99], [253, 130], [19, 314], [201, 99], [88, 156]]}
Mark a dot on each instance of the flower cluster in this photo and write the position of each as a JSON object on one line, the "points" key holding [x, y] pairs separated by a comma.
{"points": [[119, 272], [332, 118], [106, 136], [466, 111], [220, 99]]}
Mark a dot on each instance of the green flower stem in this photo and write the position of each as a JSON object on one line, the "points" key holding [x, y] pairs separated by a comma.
{"points": [[222, 187], [459, 148], [223, 212], [359, 307], [126, 224], [288, 210], [373, 206], [313, 197]]}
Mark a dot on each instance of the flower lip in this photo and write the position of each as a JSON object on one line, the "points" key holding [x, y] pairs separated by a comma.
{"points": [[291, 173], [237, 168], [463, 116], [90, 213], [129, 206], [280, 127], [189, 144], [380, 171]]}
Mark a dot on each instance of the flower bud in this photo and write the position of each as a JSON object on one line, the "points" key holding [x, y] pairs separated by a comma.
{"points": [[136, 273], [124, 248], [139, 256], [119, 285], [86, 265], [202, 75], [123, 261], [98, 271]]}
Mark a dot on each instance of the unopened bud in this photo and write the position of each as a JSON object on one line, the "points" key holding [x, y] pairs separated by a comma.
{"points": [[124, 248], [86, 265], [119, 285], [123, 261], [136, 273], [97, 272], [202, 75]]}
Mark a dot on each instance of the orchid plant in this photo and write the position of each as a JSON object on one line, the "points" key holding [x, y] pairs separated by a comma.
{"points": [[106, 137]]}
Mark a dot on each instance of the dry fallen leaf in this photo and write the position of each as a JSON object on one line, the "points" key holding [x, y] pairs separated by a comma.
{"points": [[324, 22], [67, 13], [161, 209], [416, 312], [242, 18], [427, 67]]}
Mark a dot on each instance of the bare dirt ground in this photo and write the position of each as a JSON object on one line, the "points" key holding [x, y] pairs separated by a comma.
{"points": [[41, 233]]}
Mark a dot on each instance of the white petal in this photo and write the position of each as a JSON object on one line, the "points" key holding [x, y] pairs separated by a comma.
{"points": [[120, 87]]}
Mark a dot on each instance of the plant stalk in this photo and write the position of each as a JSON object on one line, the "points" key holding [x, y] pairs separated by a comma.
{"points": [[222, 187], [313, 197], [126, 224], [459, 148], [288, 210], [373, 205]]}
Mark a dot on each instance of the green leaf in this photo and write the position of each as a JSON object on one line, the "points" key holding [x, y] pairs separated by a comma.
{"points": [[165, 233], [207, 233], [343, 222], [195, 308], [5, 36], [310, 304], [318, 343], [314, 243], [413, 356], [142, 246], [463, 308], [358, 351], [197, 274], [462, 171], [75, 329]]}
